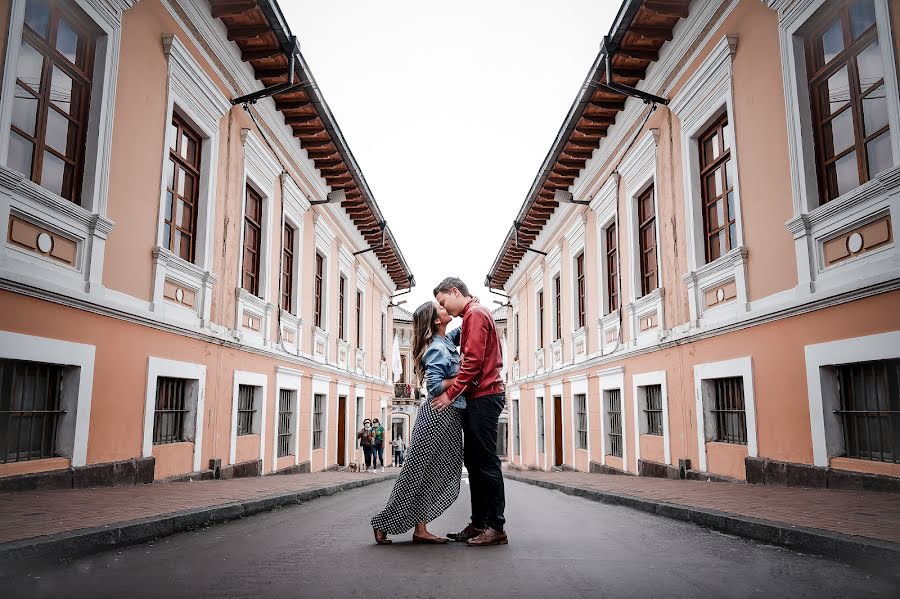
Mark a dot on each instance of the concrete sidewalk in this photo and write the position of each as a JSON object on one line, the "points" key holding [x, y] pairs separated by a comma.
{"points": [[69, 522], [858, 526]]}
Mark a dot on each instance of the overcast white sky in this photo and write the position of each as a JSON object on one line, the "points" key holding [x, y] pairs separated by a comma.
{"points": [[449, 109]]}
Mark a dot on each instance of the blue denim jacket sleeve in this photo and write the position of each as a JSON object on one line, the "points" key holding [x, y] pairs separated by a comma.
{"points": [[454, 336], [437, 367]]}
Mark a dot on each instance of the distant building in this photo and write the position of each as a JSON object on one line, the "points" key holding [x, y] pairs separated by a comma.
{"points": [[406, 392]]}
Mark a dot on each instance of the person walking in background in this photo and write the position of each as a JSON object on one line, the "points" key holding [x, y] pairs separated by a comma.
{"points": [[366, 439], [378, 444], [399, 448]]}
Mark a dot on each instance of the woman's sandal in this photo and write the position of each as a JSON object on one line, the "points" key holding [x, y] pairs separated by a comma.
{"points": [[430, 540], [381, 537]]}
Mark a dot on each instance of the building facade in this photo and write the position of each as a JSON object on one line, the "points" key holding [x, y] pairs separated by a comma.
{"points": [[407, 393], [191, 284], [707, 286]]}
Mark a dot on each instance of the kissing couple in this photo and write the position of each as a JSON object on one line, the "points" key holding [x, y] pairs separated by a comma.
{"points": [[465, 395]]}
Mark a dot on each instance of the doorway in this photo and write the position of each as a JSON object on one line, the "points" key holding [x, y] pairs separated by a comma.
{"points": [[342, 431], [557, 431]]}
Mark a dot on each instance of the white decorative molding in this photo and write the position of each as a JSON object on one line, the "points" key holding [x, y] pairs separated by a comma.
{"points": [[646, 318], [609, 332], [639, 381], [260, 401], [289, 379], [726, 277], [195, 374], [579, 386], [612, 379], [639, 172]]}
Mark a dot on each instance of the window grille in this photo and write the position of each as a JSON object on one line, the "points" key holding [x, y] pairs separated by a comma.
{"points": [[51, 100], [29, 410], [287, 269], [848, 98], [318, 420], [540, 419], [581, 421], [252, 240], [285, 420], [502, 432], [246, 409], [614, 414], [647, 240], [517, 441], [653, 409], [171, 411], [870, 410], [731, 420]]}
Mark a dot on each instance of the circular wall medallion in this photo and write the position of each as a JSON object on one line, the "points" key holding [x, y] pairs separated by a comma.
{"points": [[250, 323], [720, 294], [650, 322], [854, 243], [45, 243], [179, 294]]}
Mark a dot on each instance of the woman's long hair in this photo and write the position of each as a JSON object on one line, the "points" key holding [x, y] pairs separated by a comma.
{"points": [[424, 330]]}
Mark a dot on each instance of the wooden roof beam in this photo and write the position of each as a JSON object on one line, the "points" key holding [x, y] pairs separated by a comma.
{"points": [[669, 9], [246, 32], [247, 55], [231, 9], [636, 53], [652, 33]]}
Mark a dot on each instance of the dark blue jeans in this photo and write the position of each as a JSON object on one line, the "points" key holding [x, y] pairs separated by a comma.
{"points": [[379, 455], [369, 452], [480, 456]]}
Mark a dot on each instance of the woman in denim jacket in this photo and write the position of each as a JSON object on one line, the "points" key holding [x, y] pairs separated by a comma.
{"points": [[430, 479]]}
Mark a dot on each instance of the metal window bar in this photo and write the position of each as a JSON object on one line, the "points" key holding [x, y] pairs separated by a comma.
{"points": [[731, 419], [246, 409], [169, 415], [285, 417], [581, 420], [614, 413], [653, 409], [29, 410], [870, 410], [318, 412], [540, 417], [517, 440]]}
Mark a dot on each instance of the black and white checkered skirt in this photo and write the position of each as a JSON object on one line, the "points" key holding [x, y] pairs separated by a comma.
{"points": [[430, 479]]}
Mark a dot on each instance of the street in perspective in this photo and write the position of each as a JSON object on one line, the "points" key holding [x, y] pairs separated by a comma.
{"points": [[624, 320]]}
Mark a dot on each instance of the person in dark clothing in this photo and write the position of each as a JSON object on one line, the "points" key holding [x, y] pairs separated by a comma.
{"points": [[366, 440], [378, 444]]}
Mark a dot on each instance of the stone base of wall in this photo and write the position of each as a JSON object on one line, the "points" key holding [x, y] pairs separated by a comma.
{"points": [[301, 468], [190, 477], [657, 470], [110, 474], [772, 472], [598, 468], [707, 477], [242, 470]]}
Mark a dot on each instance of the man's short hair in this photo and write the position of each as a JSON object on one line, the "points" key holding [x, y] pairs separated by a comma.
{"points": [[449, 283]]}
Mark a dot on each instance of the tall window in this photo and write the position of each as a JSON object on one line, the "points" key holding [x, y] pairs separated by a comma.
{"points": [[287, 269], [30, 394], [653, 409], [318, 420], [342, 325], [579, 271], [359, 317], [360, 407], [612, 269], [383, 336], [717, 189], [581, 428], [52, 97], [516, 318], [647, 240], [870, 409], [320, 273], [540, 319], [182, 190], [848, 96], [252, 241], [246, 409], [728, 410], [557, 307], [171, 410], [517, 440], [285, 422], [502, 438], [614, 415], [540, 425]]}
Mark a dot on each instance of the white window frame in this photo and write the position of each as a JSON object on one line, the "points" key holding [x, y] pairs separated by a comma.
{"points": [[320, 334], [639, 381], [360, 350], [86, 225], [74, 428], [196, 98], [823, 391], [813, 225], [579, 386], [576, 241], [358, 394], [556, 389], [539, 400], [515, 400], [254, 379], [343, 389], [320, 386], [706, 96], [606, 208], [157, 367], [288, 379], [611, 379], [737, 367], [639, 171]]}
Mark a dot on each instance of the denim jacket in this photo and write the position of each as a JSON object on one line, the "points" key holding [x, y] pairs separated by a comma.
{"points": [[442, 362]]}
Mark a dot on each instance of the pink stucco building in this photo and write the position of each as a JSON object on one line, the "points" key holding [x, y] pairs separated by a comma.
{"points": [[716, 279], [188, 287]]}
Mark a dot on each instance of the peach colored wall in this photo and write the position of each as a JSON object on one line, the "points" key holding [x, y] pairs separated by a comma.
{"points": [[726, 459], [866, 466], [248, 447], [614, 462], [285, 462], [172, 459], [652, 447], [32, 466]]}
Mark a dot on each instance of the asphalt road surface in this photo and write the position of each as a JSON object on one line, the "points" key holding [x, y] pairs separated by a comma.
{"points": [[560, 546]]}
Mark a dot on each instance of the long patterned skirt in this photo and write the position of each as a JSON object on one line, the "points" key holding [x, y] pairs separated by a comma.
{"points": [[430, 479]]}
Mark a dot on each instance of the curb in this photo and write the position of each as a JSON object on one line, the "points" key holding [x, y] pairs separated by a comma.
{"points": [[121, 534], [870, 554]]}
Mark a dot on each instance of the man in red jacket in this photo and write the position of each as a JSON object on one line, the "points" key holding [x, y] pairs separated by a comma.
{"points": [[480, 382]]}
